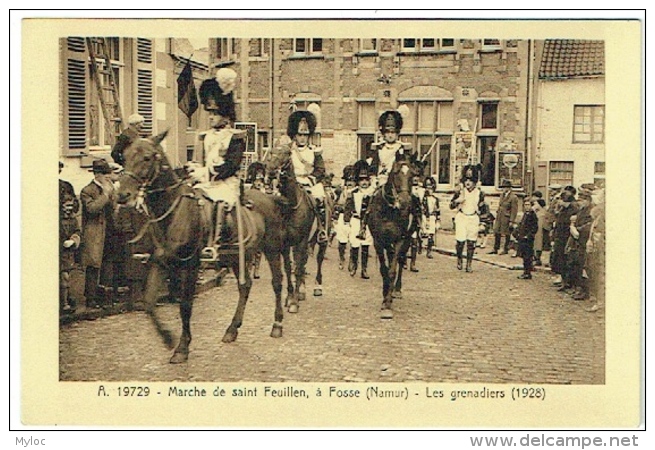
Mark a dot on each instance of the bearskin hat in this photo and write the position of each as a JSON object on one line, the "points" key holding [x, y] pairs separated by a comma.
{"points": [[255, 170], [429, 182], [391, 121], [348, 173], [471, 172], [362, 169], [216, 93], [301, 122]]}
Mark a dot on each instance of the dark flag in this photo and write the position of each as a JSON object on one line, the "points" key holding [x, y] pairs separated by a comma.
{"points": [[187, 99]]}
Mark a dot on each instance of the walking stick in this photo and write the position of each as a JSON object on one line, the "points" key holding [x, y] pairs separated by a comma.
{"points": [[242, 251]]}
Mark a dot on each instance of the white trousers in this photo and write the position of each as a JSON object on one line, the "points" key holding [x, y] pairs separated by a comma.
{"points": [[466, 227]]}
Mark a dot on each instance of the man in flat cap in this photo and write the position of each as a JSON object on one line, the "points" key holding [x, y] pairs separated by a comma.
{"points": [[508, 207], [125, 139], [576, 247]]}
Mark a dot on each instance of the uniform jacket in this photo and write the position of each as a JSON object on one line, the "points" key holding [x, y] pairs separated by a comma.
{"points": [[307, 162], [96, 215], [508, 206], [123, 141], [403, 152], [357, 202], [430, 206], [224, 150]]}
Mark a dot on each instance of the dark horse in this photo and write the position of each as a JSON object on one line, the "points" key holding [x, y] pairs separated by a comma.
{"points": [[299, 224], [179, 227], [392, 223]]}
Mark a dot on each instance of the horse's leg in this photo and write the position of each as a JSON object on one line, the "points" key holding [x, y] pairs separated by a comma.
{"points": [[153, 284], [320, 257], [244, 290], [384, 273], [286, 257], [276, 271], [300, 257], [188, 283], [398, 287]]}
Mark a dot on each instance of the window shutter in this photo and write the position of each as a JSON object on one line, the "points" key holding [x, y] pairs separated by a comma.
{"points": [[144, 50], [144, 98], [76, 121]]}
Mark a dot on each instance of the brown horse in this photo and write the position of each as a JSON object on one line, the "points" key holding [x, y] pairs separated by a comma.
{"points": [[300, 221], [392, 223], [179, 227]]}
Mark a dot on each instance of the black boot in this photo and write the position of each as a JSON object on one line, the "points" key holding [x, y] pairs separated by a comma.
{"points": [[459, 247], [342, 255], [506, 246], [429, 250], [412, 258], [496, 244], [537, 258], [470, 251], [322, 235], [365, 262], [352, 266]]}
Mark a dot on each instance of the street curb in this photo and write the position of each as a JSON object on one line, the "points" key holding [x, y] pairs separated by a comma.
{"points": [[93, 314], [446, 252]]}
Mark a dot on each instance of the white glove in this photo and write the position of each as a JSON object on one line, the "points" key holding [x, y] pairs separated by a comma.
{"points": [[69, 243], [574, 232]]}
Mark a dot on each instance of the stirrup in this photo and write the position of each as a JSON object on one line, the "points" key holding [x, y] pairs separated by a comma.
{"points": [[209, 254]]}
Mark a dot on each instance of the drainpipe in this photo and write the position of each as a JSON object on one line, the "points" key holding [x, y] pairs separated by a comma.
{"points": [[528, 136], [271, 73]]}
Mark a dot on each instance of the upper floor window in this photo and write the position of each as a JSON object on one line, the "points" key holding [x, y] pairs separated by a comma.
{"points": [[308, 46], [561, 172], [257, 47], [599, 173], [488, 116], [588, 124], [368, 45], [426, 44], [491, 44], [224, 49]]}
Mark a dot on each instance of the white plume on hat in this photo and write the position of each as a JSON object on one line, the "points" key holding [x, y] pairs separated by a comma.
{"points": [[227, 79], [135, 118]]}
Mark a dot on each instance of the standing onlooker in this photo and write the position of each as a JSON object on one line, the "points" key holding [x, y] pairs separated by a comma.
{"points": [[596, 250], [577, 245], [505, 217], [538, 204], [525, 234], [129, 135], [97, 198], [561, 232], [69, 241]]}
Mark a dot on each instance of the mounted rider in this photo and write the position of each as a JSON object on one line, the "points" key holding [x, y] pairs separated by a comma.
{"points": [[223, 148], [308, 164]]}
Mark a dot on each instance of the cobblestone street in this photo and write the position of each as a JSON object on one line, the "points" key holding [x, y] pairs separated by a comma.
{"points": [[450, 326]]}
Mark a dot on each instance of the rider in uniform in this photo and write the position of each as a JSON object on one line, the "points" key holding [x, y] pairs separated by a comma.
{"points": [[223, 147], [467, 221], [356, 207], [308, 165]]}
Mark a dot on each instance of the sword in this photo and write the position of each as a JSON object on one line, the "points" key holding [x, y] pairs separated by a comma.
{"points": [[430, 150]]}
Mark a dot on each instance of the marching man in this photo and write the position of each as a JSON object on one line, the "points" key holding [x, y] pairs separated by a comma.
{"points": [[224, 147], [467, 221], [430, 223], [341, 227], [356, 207], [308, 164]]}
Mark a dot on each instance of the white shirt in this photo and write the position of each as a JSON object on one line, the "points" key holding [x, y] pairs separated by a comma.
{"points": [[471, 199]]}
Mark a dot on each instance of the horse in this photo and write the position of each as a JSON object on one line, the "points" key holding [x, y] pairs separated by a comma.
{"points": [[392, 223], [300, 221], [181, 223]]}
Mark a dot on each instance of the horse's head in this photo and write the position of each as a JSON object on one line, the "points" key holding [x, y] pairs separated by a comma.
{"points": [[399, 184], [278, 163], [145, 161]]}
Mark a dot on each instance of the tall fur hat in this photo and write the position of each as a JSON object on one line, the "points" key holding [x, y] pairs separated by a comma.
{"points": [[471, 172], [348, 173], [391, 121], [216, 93], [362, 169], [255, 170], [301, 122]]}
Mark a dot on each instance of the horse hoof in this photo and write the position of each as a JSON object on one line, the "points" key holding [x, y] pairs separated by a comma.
{"points": [[293, 308], [276, 332], [386, 314], [318, 292], [179, 357], [230, 337], [397, 294]]}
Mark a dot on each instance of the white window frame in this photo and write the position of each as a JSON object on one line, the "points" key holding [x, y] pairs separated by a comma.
{"points": [[376, 43], [481, 104], [491, 46], [419, 46], [309, 47], [595, 111], [559, 180], [228, 44]]}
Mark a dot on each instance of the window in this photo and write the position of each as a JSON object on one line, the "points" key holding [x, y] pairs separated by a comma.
{"points": [[561, 172], [190, 153], [489, 115], [426, 44], [77, 121], [257, 47], [443, 161], [367, 117], [144, 50], [599, 174], [368, 45], [224, 49], [488, 160], [311, 46], [144, 99], [588, 124], [491, 44]]}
